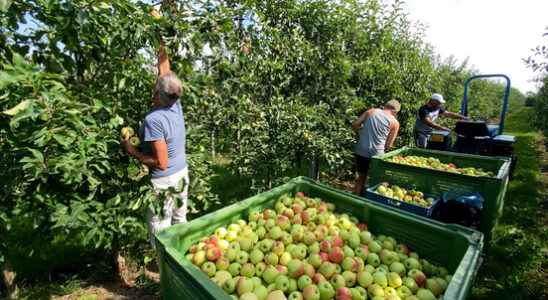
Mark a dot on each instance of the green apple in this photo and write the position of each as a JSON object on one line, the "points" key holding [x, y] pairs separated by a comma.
{"points": [[337, 281], [358, 293], [303, 281], [222, 276], [244, 285], [242, 257], [265, 245], [295, 268], [249, 296], [394, 280], [256, 281], [260, 231], [380, 279], [276, 295], [259, 268], [315, 260], [412, 263], [375, 290], [349, 278], [229, 286], [248, 270], [373, 259], [271, 259], [404, 292], [261, 291], [434, 286], [374, 247], [234, 269], [285, 258], [292, 285], [390, 257], [424, 294], [256, 256], [370, 269], [411, 284], [270, 274], [282, 283], [278, 248], [383, 268], [326, 290], [442, 282], [199, 258], [366, 237], [398, 267], [314, 248], [222, 263], [209, 268], [364, 279], [275, 233], [296, 295], [348, 252]]}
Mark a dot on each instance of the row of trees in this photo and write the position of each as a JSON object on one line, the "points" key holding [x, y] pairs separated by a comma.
{"points": [[271, 85], [538, 62]]}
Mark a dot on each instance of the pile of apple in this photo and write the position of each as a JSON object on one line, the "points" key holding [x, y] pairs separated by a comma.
{"points": [[301, 249], [410, 196], [436, 164]]}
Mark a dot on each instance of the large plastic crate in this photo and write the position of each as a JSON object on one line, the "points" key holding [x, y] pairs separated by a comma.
{"points": [[437, 182], [371, 194], [455, 247]]}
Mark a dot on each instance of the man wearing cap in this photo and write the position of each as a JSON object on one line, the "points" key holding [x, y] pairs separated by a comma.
{"points": [[377, 130], [426, 117]]}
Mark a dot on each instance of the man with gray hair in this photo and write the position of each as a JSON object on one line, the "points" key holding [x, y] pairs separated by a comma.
{"points": [[378, 129], [163, 150]]}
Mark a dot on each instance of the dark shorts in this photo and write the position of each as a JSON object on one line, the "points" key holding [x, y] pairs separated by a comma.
{"points": [[362, 164]]}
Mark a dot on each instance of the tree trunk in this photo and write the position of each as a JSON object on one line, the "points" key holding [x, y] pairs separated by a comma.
{"points": [[122, 268], [8, 276], [213, 144], [313, 168]]}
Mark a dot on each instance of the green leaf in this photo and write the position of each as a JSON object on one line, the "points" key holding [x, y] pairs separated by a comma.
{"points": [[22, 106]]}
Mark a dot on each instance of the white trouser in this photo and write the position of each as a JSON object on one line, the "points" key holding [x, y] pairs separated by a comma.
{"points": [[173, 212]]}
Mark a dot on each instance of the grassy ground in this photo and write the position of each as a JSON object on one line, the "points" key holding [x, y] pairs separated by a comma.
{"points": [[516, 260], [513, 266]]}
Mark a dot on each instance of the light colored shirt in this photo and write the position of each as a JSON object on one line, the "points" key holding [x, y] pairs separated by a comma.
{"points": [[374, 133], [166, 123]]}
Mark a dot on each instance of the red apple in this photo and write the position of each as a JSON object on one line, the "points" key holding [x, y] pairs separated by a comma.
{"points": [[213, 253], [343, 293], [336, 255], [325, 246], [324, 256], [338, 241]]}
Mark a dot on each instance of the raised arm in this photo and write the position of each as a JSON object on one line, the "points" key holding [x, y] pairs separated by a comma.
{"points": [[163, 61]]}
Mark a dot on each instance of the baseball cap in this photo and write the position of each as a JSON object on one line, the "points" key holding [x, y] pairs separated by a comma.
{"points": [[437, 97], [394, 104]]}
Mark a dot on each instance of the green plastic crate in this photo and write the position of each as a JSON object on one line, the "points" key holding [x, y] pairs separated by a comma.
{"points": [[437, 182], [455, 247]]}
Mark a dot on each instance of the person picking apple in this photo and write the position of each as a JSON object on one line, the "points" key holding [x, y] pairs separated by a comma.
{"points": [[163, 137], [426, 117], [378, 129]]}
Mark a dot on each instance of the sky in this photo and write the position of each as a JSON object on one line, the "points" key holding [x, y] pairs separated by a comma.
{"points": [[494, 35]]}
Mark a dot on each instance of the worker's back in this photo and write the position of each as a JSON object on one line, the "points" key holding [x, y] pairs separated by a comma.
{"points": [[373, 134]]}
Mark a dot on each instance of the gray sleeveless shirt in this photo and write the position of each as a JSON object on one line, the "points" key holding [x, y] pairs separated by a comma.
{"points": [[373, 134]]}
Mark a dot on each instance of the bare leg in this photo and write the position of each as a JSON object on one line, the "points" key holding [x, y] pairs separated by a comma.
{"points": [[360, 182]]}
